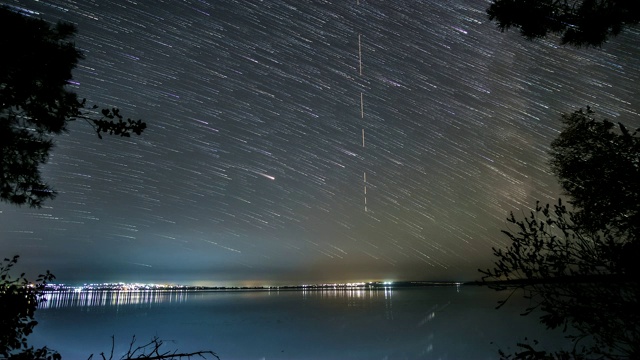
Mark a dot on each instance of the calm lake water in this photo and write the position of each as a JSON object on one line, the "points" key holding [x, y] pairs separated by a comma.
{"points": [[415, 323]]}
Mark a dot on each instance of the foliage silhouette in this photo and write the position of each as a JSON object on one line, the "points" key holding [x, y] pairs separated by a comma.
{"points": [[579, 22], [573, 276], [18, 302], [35, 103], [579, 267], [599, 168]]}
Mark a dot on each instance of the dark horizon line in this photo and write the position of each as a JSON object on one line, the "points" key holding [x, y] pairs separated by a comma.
{"points": [[360, 285]]}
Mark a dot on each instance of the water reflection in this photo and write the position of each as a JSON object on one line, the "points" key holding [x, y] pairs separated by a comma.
{"points": [[341, 292], [351, 297], [388, 305], [354, 297], [428, 323], [62, 299]]}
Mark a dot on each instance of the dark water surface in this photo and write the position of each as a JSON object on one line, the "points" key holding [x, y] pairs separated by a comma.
{"points": [[416, 323]]}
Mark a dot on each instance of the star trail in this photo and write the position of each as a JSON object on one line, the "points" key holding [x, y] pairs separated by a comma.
{"points": [[251, 169]]}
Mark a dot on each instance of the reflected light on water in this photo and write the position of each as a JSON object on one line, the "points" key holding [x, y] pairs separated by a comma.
{"points": [[355, 293], [62, 299], [330, 323], [388, 305]]}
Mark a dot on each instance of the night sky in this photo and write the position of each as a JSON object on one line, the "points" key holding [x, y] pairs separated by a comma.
{"points": [[251, 169]]}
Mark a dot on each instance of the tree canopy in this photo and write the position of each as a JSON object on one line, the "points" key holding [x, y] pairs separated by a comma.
{"points": [[36, 103], [598, 165], [579, 265], [578, 22]]}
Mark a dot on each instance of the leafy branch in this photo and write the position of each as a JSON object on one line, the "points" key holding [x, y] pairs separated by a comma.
{"points": [[19, 300], [111, 122]]}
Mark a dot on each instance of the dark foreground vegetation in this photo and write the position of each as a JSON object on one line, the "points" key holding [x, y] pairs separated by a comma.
{"points": [[578, 263], [35, 103]]}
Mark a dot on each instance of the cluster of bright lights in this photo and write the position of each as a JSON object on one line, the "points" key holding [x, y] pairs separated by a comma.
{"points": [[115, 287], [152, 287], [165, 287], [348, 285]]}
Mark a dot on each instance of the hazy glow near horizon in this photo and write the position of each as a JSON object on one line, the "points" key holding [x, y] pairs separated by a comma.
{"points": [[252, 166]]}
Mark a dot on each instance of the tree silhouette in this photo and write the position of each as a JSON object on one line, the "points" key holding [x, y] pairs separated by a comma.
{"points": [[598, 165], [35, 103], [152, 350], [18, 302], [579, 22], [580, 267], [575, 278]]}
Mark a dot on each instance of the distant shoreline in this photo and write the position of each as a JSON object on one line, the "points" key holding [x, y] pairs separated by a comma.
{"points": [[108, 287]]}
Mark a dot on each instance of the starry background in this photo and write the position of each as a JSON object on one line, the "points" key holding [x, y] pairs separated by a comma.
{"points": [[251, 169]]}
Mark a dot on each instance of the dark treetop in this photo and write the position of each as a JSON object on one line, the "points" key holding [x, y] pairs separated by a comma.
{"points": [[579, 23], [36, 104]]}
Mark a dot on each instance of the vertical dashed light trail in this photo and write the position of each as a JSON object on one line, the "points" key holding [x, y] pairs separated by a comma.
{"points": [[364, 176]]}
